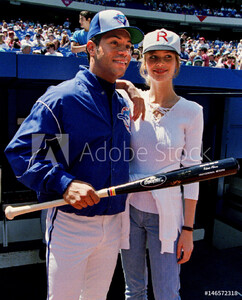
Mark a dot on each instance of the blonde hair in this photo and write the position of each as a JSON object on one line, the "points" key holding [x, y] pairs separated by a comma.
{"points": [[143, 71]]}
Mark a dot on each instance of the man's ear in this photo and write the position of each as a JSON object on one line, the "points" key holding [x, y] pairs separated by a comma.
{"points": [[91, 47]]}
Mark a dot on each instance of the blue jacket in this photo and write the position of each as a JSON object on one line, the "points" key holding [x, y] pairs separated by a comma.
{"points": [[71, 134]]}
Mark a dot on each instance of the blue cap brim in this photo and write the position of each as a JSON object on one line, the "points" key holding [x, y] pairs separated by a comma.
{"points": [[136, 34]]}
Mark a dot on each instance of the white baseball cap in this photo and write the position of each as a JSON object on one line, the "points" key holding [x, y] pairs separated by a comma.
{"points": [[108, 20], [161, 39]]}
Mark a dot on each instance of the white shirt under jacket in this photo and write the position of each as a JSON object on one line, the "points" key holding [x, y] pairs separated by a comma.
{"points": [[159, 146]]}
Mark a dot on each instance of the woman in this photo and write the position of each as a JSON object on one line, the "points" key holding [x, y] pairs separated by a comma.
{"points": [[3, 45], [65, 42], [168, 138]]}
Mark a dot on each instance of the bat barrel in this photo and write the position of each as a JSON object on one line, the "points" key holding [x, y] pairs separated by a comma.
{"points": [[205, 171]]}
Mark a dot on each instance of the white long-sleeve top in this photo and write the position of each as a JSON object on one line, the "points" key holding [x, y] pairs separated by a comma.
{"points": [[163, 145]]}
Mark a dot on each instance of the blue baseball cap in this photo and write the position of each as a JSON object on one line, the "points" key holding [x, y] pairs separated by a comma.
{"points": [[107, 20]]}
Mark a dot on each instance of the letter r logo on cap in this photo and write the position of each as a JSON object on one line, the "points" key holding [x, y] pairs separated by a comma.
{"points": [[161, 34]]}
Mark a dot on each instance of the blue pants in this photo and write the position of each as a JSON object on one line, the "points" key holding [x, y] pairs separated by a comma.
{"points": [[144, 231]]}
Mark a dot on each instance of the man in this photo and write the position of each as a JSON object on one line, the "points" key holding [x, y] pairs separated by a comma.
{"points": [[203, 53], [27, 40], [76, 141], [25, 48], [79, 39], [212, 62], [39, 41], [183, 55]]}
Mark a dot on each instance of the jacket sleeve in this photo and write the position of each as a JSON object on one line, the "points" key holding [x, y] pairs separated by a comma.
{"points": [[32, 152]]}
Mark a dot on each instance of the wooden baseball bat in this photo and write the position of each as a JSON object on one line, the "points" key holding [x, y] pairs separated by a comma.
{"points": [[205, 171]]}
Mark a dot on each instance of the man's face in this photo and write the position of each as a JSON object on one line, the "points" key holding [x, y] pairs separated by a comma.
{"points": [[112, 57], [84, 23]]}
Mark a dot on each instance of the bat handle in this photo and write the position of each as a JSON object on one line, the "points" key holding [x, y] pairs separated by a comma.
{"points": [[11, 212]]}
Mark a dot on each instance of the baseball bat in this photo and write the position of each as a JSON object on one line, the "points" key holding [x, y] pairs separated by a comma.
{"points": [[196, 173]]}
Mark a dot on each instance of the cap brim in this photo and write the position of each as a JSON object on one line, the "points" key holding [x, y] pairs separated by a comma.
{"points": [[160, 47], [135, 33]]}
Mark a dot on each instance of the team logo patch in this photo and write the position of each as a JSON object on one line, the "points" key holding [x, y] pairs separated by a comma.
{"points": [[121, 19], [125, 117]]}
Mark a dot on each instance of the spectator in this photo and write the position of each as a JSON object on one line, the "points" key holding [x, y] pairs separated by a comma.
{"points": [[30, 29], [212, 62], [10, 39], [16, 43], [190, 43], [45, 31], [225, 54], [229, 64], [39, 33], [27, 40], [221, 61], [189, 50], [217, 56], [50, 31], [5, 26], [5, 35], [3, 46], [216, 49], [50, 50], [79, 39], [184, 37], [202, 43], [65, 41], [239, 46], [183, 55], [226, 45], [57, 35], [50, 38], [25, 48], [240, 61], [192, 55], [203, 53], [38, 42], [57, 45], [67, 23], [136, 55], [197, 61]]}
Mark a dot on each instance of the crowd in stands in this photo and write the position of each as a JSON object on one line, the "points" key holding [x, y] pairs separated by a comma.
{"points": [[47, 39], [34, 38], [177, 7], [201, 53]]}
